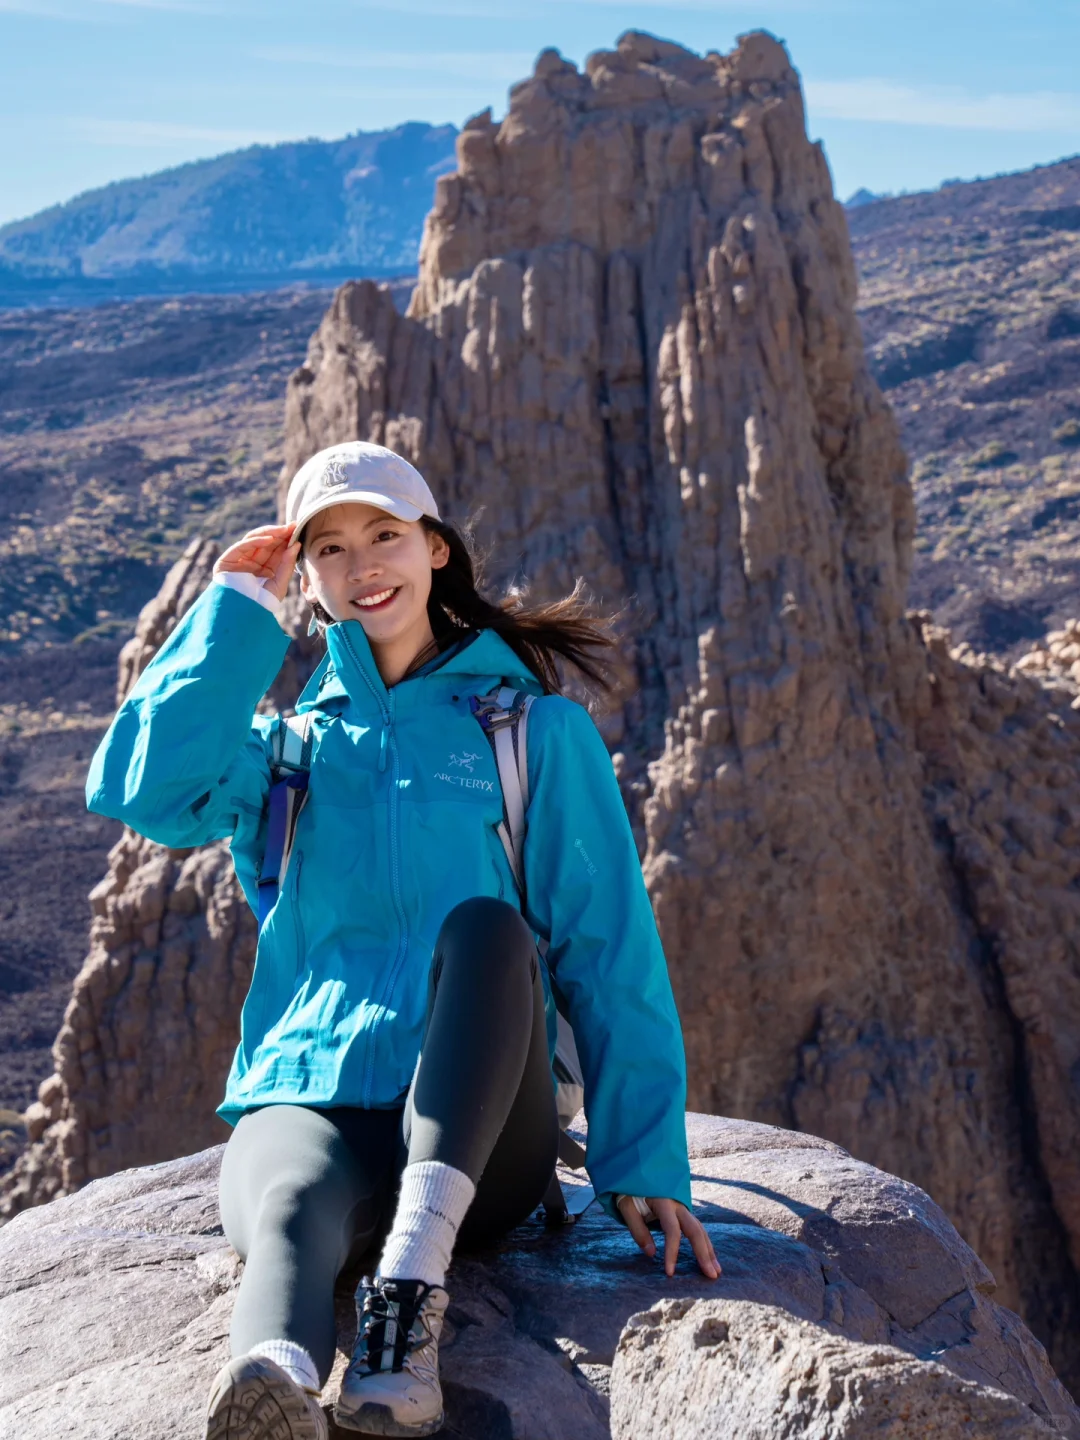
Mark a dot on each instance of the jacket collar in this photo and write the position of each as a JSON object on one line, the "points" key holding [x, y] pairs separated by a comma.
{"points": [[348, 669]]}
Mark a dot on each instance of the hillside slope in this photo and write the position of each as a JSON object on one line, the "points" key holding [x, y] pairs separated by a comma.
{"points": [[969, 300], [125, 429], [316, 209]]}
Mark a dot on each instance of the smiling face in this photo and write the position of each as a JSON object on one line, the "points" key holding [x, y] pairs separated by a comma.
{"points": [[360, 563]]}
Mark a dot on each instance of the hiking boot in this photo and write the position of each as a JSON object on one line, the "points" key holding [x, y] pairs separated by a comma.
{"points": [[392, 1384], [254, 1399]]}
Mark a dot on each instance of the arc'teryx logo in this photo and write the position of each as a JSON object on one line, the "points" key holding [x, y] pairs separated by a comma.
{"points": [[465, 761]]}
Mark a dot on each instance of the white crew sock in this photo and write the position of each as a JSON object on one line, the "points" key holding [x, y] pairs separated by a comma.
{"points": [[293, 1359], [433, 1201]]}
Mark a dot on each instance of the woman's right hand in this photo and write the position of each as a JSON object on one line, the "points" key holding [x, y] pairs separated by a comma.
{"points": [[269, 552]]}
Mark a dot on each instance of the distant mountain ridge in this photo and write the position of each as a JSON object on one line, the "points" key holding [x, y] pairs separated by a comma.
{"points": [[862, 196], [316, 210]]}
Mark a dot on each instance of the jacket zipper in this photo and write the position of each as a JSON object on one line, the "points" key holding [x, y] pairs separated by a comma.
{"points": [[387, 747], [395, 872]]}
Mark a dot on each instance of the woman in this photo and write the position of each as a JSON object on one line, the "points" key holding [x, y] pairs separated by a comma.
{"points": [[394, 1067]]}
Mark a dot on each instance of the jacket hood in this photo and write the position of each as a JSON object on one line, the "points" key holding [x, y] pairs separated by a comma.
{"points": [[481, 655]]}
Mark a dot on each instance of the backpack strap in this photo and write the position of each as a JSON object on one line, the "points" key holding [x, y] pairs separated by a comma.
{"points": [[504, 719], [290, 764]]}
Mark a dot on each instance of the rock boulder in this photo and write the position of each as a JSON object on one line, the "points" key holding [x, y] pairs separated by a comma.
{"points": [[732, 1370], [115, 1307]]}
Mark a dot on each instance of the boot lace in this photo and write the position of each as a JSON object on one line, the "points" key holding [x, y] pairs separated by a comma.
{"points": [[392, 1327]]}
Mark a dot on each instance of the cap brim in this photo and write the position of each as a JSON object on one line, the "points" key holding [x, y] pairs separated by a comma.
{"points": [[400, 509]]}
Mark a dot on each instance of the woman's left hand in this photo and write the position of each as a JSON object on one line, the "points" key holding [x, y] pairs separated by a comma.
{"points": [[675, 1221], [269, 552]]}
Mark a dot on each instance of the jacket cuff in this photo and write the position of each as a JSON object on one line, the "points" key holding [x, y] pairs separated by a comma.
{"points": [[253, 586]]}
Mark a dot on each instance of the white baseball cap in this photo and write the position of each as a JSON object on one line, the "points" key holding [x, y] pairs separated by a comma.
{"points": [[358, 472]]}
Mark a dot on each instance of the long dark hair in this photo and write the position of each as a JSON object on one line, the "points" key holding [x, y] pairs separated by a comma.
{"points": [[540, 635], [569, 629]]}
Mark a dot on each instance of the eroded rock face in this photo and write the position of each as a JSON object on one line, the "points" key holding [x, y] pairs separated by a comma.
{"points": [[633, 343], [183, 585], [150, 1029], [858, 1269]]}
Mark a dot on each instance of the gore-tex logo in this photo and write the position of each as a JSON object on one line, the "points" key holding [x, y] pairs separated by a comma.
{"points": [[580, 848]]}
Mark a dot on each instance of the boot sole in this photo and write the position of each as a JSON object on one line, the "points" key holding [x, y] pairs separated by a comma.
{"points": [[379, 1420], [253, 1399]]}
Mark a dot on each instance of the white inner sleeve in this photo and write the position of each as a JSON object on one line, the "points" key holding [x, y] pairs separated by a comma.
{"points": [[253, 586], [640, 1204]]}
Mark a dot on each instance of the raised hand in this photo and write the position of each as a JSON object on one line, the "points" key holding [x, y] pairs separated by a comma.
{"points": [[269, 552], [675, 1221]]}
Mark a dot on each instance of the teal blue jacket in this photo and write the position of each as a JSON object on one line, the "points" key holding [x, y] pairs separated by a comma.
{"points": [[399, 827]]}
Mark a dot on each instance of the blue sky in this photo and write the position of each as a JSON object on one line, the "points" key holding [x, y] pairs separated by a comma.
{"points": [[904, 93]]}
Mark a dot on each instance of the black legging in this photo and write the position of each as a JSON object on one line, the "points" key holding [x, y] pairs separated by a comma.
{"points": [[303, 1191]]}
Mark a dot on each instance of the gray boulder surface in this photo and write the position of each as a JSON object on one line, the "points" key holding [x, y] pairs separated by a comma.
{"points": [[731, 1370], [115, 1306]]}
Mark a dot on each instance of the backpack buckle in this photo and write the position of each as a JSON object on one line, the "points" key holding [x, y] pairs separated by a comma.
{"points": [[489, 714]]}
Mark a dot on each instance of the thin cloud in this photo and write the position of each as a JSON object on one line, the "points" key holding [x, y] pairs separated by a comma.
{"points": [[476, 10], [186, 7], [98, 11], [449, 9], [137, 134], [805, 7], [464, 64], [31, 7], [949, 109]]}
